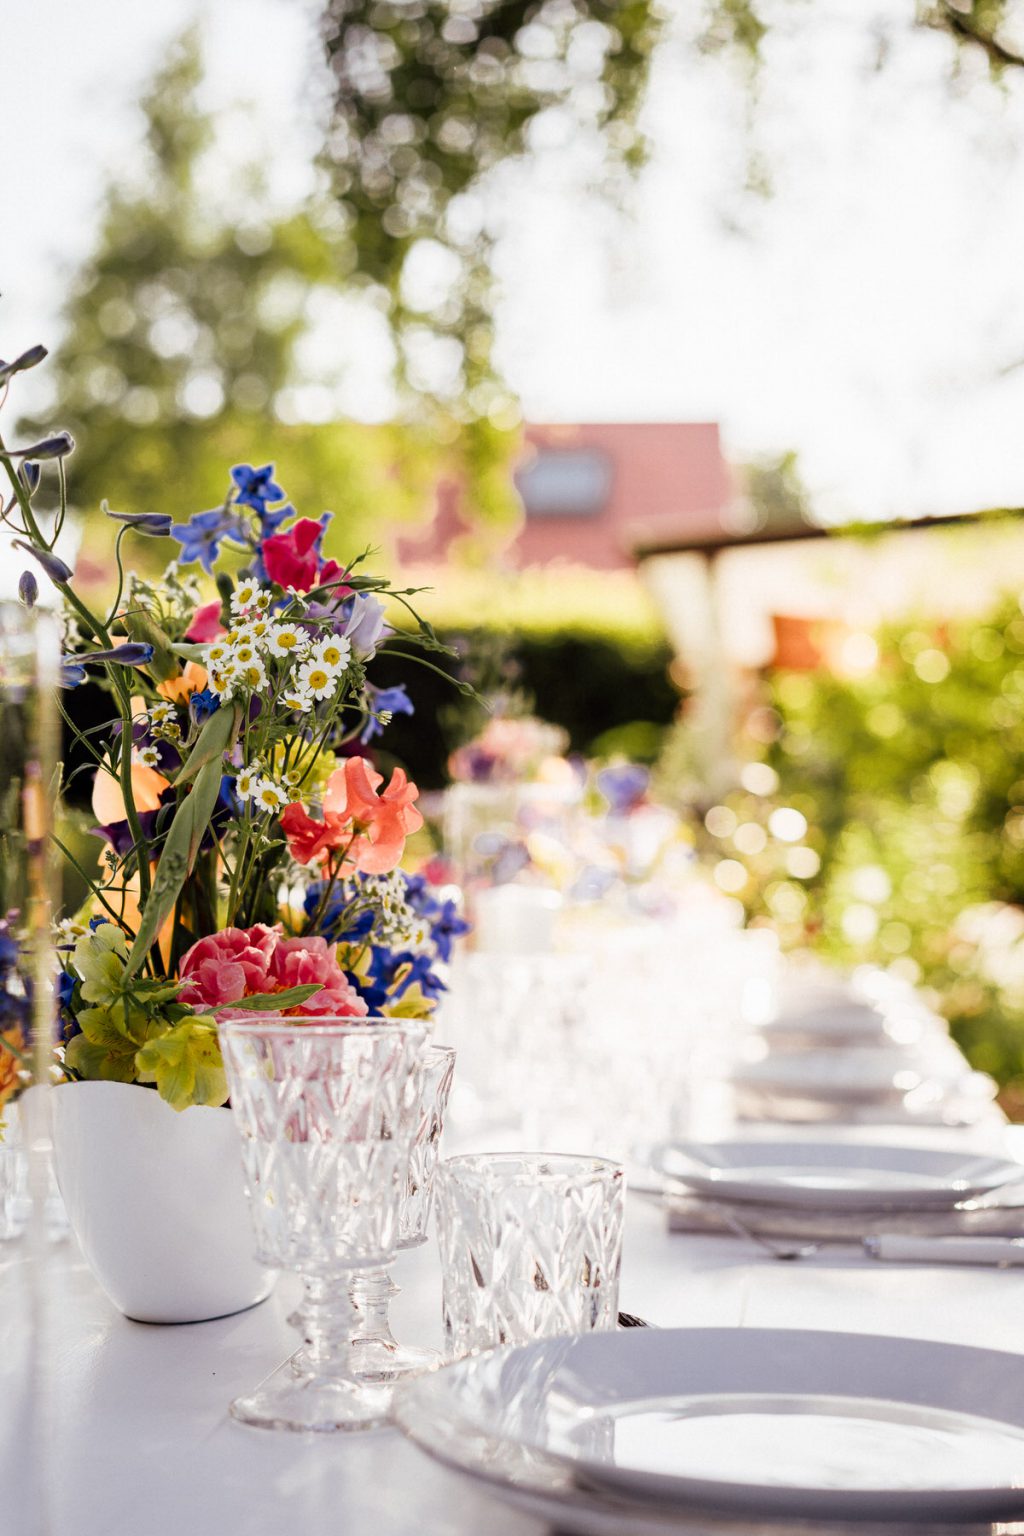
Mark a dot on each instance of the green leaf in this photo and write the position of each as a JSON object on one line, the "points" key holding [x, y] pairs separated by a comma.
{"points": [[177, 858], [215, 738], [101, 1052], [266, 1002], [185, 1064]]}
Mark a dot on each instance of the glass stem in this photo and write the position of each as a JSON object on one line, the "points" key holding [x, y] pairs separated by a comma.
{"points": [[327, 1317], [371, 1292]]}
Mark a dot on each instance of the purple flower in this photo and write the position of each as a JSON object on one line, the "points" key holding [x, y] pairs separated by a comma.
{"points": [[390, 701], [365, 626], [256, 486], [201, 536], [134, 653], [72, 674], [54, 567], [202, 705], [623, 786], [28, 589], [447, 927], [156, 524], [30, 475], [53, 447], [27, 359]]}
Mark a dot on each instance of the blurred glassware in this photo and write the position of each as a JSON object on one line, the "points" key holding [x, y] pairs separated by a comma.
{"points": [[375, 1353], [531, 1245], [327, 1111]]}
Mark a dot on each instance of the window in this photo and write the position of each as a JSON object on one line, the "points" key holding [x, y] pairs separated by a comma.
{"points": [[565, 482]]}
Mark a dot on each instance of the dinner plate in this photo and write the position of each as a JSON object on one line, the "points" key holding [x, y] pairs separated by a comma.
{"points": [[859, 1075], [847, 1023], [833, 1174], [768, 1424]]}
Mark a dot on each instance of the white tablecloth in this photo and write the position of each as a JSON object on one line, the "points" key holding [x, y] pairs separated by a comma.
{"points": [[140, 1442]]}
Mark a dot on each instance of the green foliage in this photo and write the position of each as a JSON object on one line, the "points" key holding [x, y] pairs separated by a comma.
{"points": [[180, 338], [911, 780], [136, 1031], [429, 99]]}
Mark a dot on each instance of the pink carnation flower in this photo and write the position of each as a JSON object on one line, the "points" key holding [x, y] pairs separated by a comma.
{"points": [[228, 966], [297, 962]]}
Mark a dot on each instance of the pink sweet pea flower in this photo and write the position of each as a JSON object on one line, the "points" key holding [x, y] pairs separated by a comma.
{"points": [[228, 966], [381, 823], [293, 560], [297, 962], [206, 626]]}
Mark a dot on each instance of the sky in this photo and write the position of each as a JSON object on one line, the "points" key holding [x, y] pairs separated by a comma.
{"points": [[868, 314]]}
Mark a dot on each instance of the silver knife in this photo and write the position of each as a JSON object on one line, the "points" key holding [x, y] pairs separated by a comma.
{"points": [[904, 1249]]}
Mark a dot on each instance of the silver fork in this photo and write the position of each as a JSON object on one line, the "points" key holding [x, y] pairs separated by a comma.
{"points": [[777, 1250]]}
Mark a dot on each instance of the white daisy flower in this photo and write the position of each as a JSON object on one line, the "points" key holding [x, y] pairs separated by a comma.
{"points": [[299, 699], [255, 631], [159, 713], [224, 679], [261, 602], [147, 757], [217, 653], [334, 651], [253, 674], [247, 781], [245, 595], [287, 640], [268, 796], [244, 654], [317, 677]]}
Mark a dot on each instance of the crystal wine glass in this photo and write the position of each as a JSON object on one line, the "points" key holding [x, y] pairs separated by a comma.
{"points": [[327, 1113], [376, 1355]]}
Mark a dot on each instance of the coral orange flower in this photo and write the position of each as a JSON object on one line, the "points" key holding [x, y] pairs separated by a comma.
{"points": [[178, 690], [372, 828], [108, 801], [10, 1066], [381, 822]]}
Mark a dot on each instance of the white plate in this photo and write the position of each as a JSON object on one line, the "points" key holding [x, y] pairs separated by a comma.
{"points": [[848, 1023], [833, 1174], [859, 1075], [756, 1423]]}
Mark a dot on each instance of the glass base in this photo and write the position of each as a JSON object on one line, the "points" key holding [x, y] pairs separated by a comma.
{"points": [[378, 1362], [293, 1398]]}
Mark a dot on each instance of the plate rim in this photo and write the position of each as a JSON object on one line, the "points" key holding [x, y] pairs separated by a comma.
{"points": [[672, 1495]]}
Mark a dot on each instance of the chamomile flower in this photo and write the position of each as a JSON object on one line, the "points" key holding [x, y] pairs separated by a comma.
{"points": [[146, 757], [217, 653], [317, 677], [255, 631], [244, 654], [268, 796], [287, 640], [253, 674], [334, 651], [224, 679], [245, 595], [161, 712], [247, 781], [298, 699]]}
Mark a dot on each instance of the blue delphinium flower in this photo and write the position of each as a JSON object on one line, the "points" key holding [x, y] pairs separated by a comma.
{"points": [[200, 538], [387, 701], [202, 705], [623, 786], [255, 487], [446, 928]]}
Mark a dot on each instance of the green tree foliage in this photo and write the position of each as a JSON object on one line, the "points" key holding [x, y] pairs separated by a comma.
{"points": [[430, 98], [180, 337], [911, 781]]}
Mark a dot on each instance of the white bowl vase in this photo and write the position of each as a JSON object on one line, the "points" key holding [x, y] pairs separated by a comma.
{"points": [[157, 1202]]}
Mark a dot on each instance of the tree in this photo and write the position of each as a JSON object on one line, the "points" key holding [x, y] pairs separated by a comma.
{"points": [[431, 98], [180, 339]]}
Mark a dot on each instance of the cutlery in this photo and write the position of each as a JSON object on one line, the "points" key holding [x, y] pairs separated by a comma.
{"points": [[1002, 1252], [777, 1250]]}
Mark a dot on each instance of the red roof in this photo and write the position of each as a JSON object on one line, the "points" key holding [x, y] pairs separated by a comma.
{"points": [[594, 492]]}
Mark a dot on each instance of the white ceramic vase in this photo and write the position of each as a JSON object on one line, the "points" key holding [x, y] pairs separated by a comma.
{"points": [[157, 1202]]}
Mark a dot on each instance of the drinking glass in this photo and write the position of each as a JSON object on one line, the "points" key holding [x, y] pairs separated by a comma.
{"points": [[327, 1113], [376, 1355], [531, 1245]]}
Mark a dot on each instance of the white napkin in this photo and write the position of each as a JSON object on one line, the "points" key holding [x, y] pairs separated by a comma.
{"points": [[997, 1215]]}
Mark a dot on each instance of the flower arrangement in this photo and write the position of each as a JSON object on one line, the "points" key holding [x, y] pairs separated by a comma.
{"points": [[251, 850], [513, 750]]}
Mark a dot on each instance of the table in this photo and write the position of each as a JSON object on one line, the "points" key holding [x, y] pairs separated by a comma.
{"points": [[141, 1443]]}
